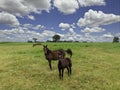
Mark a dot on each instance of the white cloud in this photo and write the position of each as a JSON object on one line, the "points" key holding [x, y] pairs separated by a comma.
{"points": [[117, 34], [15, 7], [31, 17], [71, 36], [72, 31], [66, 6], [43, 36], [38, 27], [108, 35], [70, 6], [89, 38], [47, 33], [93, 38], [18, 34], [64, 26], [73, 25], [24, 7], [8, 19], [85, 3], [37, 6], [27, 26], [33, 27], [94, 29], [12, 35], [97, 18]]}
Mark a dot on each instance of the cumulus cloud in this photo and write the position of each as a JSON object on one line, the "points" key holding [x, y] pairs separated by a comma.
{"points": [[71, 37], [37, 6], [21, 8], [108, 35], [70, 6], [117, 34], [12, 35], [73, 25], [33, 27], [15, 7], [94, 29], [72, 32], [8, 19], [24, 7], [48, 33], [85, 3], [97, 18], [38, 27], [66, 6], [43, 36], [19, 34], [64, 26], [31, 17]]}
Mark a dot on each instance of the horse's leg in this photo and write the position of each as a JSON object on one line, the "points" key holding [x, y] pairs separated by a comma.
{"points": [[62, 72], [50, 64], [68, 71], [59, 73]]}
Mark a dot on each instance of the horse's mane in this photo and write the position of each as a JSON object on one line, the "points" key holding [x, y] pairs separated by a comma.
{"points": [[48, 51]]}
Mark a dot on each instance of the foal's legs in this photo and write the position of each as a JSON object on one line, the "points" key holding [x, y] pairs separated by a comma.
{"points": [[50, 64], [68, 71], [62, 72], [59, 73]]}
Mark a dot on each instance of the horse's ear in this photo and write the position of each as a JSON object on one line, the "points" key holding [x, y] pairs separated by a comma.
{"points": [[44, 45]]}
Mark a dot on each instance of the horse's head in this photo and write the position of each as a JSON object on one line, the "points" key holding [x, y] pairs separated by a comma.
{"points": [[45, 49]]}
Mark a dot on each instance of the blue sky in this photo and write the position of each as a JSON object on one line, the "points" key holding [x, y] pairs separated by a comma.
{"points": [[76, 20]]}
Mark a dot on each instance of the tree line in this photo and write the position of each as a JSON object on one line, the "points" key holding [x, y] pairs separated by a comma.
{"points": [[56, 38]]}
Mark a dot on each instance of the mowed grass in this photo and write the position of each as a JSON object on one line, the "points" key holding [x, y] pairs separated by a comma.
{"points": [[96, 66]]}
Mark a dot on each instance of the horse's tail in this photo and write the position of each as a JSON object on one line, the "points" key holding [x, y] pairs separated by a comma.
{"points": [[69, 51]]}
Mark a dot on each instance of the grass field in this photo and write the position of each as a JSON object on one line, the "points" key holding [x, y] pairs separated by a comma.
{"points": [[96, 66]]}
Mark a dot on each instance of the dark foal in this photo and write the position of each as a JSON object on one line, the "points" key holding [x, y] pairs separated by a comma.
{"points": [[62, 64], [54, 55]]}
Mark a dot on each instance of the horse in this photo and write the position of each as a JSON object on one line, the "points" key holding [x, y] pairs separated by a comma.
{"points": [[62, 64], [54, 54]]}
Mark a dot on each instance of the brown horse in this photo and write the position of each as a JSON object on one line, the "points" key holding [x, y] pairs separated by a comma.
{"points": [[54, 55]]}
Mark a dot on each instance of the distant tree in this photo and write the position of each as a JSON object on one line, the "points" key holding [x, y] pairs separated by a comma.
{"points": [[29, 41], [35, 40], [56, 38], [115, 39]]}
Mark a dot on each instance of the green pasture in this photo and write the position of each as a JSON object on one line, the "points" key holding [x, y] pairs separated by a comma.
{"points": [[96, 66]]}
